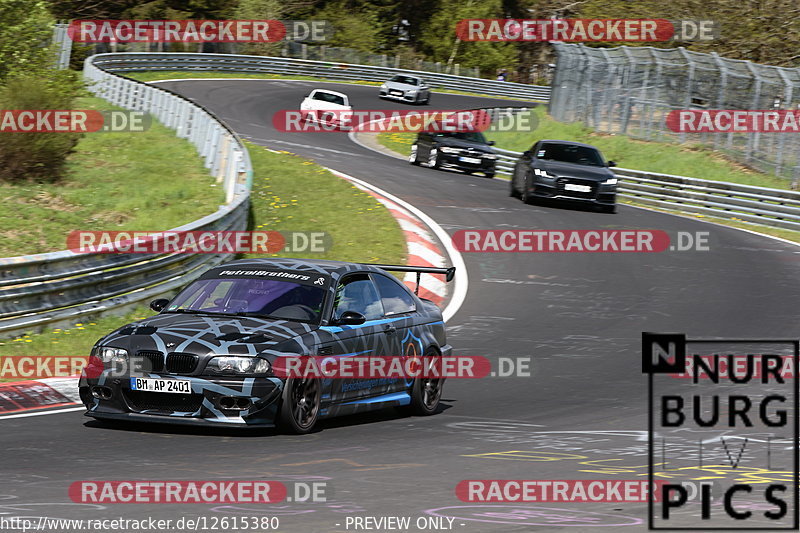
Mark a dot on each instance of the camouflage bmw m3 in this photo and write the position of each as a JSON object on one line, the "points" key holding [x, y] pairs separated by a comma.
{"points": [[208, 357]]}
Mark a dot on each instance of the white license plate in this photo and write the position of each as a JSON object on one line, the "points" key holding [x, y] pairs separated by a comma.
{"points": [[577, 188], [396, 93], [473, 160], [176, 386]]}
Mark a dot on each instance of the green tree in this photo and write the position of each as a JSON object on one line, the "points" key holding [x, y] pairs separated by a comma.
{"points": [[766, 31], [437, 37], [26, 29], [355, 25], [259, 10]]}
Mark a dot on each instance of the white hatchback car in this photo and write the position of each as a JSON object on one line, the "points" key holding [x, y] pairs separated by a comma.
{"points": [[320, 100]]}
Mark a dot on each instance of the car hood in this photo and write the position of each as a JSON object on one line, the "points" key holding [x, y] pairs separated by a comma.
{"points": [[401, 86], [329, 106], [461, 143], [571, 170], [205, 334]]}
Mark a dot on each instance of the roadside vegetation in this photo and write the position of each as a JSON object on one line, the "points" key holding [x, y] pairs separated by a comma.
{"points": [[132, 181], [289, 194]]}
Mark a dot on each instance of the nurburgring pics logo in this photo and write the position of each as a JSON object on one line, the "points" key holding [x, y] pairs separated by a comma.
{"points": [[585, 30], [731, 424]]}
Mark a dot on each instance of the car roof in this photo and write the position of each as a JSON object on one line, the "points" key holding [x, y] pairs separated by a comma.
{"points": [[329, 92], [573, 143], [407, 76], [334, 269]]}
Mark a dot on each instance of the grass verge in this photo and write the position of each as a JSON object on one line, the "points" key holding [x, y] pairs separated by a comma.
{"points": [[142, 181], [289, 194]]}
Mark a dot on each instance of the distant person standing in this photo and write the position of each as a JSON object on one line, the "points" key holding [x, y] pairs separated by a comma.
{"points": [[502, 75]]}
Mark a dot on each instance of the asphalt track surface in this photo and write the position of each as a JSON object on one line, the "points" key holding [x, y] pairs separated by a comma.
{"points": [[578, 316]]}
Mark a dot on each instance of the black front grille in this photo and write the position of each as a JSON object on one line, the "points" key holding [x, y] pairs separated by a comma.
{"points": [[561, 188], [159, 401], [151, 361], [181, 363]]}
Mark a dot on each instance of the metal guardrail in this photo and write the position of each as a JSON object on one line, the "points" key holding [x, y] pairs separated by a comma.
{"points": [[59, 287], [133, 62], [758, 205]]}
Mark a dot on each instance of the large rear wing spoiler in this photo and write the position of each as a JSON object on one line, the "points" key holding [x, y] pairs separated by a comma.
{"points": [[449, 273]]}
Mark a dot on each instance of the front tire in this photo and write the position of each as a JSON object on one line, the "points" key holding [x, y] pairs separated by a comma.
{"points": [[426, 392], [413, 156], [433, 159], [513, 192], [300, 405], [526, 196]]}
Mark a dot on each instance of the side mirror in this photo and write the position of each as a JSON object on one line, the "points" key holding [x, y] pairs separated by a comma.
{"points": [[611, 164], [490, 143], [351, 318], [159, 304]]}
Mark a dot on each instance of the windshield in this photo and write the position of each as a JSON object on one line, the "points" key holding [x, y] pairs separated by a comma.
{"points": [[277, 299], [472, 136], [405, 79], [570, 153], [330, 98]]}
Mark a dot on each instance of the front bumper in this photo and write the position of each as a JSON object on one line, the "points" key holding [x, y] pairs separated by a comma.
{"points": [[209, 403], [386, 93], [600, 194], [454, 161]]}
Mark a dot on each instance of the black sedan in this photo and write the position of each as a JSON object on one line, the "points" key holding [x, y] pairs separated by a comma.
{"points": [[565, 170], [209, 357], [466, 151]]}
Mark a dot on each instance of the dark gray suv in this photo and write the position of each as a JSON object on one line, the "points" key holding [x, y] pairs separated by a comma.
{"points": [[565, 170]]}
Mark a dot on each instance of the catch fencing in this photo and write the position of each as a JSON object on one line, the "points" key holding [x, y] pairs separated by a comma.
{"points": [[630, 90]]}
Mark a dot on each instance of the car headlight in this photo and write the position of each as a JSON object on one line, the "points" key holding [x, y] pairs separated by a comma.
{"points": [[610, 181], [449, 150], [411, 91], [238, 365], [383, 86], [112, 355], [542, 173]]}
